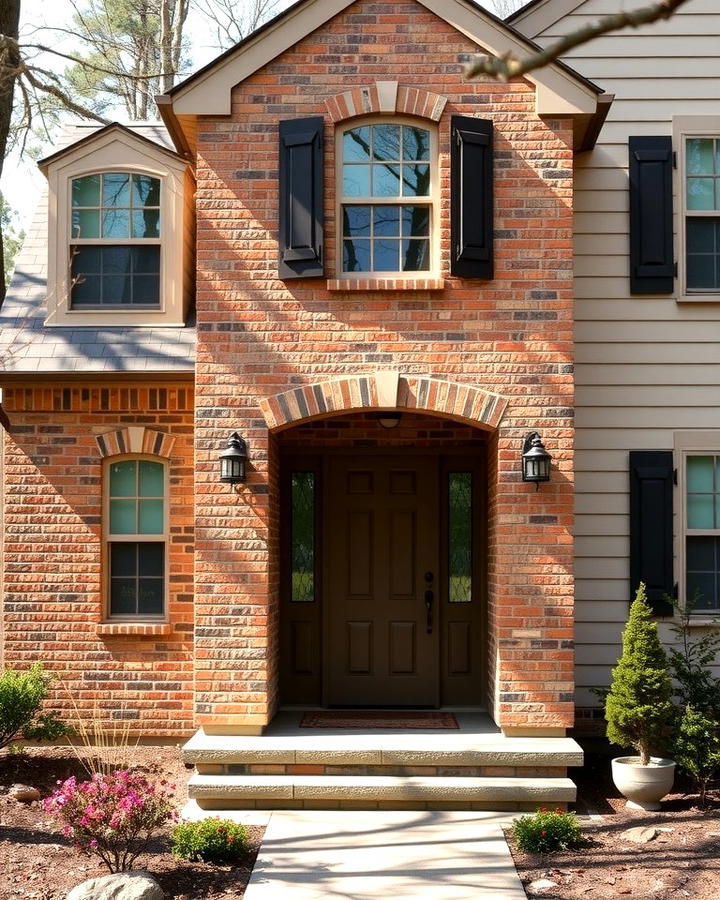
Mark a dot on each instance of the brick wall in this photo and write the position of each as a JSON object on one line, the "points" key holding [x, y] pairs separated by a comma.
{"points": [[259, 336], [53, 560]]}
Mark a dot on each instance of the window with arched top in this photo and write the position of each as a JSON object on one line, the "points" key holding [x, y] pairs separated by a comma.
{"points": [[387, 189], [135, 519]]}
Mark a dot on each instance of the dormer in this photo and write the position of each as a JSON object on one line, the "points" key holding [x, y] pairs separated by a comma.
{"points": [[119, 232]]}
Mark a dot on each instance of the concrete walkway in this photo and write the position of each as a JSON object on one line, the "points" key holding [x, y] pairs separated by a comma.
{"points": [[309, 854]]}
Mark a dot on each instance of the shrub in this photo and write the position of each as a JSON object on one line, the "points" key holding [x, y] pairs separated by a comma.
{"points": [[210, 840], [638, 708], [691, 661], [112, 816], [547, 832], [21, 695], [697, 749]]}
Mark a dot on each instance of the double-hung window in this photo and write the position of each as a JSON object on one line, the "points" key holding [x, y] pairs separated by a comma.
{"points": [[702, 532], [702, 214], [136, 538], [387, 183], [115, 241]]}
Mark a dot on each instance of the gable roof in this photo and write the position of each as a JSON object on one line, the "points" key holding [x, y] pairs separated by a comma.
{"points": [[560, 90]]}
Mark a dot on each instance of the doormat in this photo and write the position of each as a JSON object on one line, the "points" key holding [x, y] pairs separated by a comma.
{"points": [[363, 718]]}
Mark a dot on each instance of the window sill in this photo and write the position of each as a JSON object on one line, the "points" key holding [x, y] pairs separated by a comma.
{"points": [[698, 298], [385, 284], [704, 622], [134, 629]]}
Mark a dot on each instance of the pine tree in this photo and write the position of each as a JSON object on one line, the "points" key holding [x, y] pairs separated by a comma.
{"points": [[638, 706]]}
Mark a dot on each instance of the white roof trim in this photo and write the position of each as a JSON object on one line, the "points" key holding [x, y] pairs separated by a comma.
{"points": [[558, 92], [534, 20]]}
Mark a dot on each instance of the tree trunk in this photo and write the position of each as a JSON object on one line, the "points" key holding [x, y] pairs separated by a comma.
{"points": [[9, 61]]}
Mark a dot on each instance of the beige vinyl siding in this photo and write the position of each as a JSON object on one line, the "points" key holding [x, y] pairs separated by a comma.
{"points": [[646, 366]]}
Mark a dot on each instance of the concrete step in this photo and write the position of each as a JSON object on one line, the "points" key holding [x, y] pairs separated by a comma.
{"points": [[385, 792]]}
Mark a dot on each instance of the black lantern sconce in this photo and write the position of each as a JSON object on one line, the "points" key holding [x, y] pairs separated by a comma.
{"points": [[535, 460], [233, 461]]}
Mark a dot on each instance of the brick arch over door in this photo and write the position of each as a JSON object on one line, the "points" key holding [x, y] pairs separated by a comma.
{"points": [[384, 390]]}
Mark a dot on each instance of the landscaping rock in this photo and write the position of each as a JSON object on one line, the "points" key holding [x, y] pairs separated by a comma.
{"points": [[640, 834], [121, 886], [24, 793], [541, 885]]}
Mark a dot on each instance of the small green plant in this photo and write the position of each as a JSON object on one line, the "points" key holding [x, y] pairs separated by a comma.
{"points": [[691, 661], [638, 708], [697, 749], [547, 832], [21, 696], [210, 840]]}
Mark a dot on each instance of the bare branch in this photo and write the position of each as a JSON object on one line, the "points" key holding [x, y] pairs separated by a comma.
{"points": [[506, 67]]}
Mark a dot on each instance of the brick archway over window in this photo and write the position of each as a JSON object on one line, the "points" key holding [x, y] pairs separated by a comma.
{"points": [[384, 390], [135, 439], [386, 97]]}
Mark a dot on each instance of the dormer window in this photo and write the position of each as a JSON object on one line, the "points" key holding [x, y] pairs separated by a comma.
{"points": [[115, 241]]}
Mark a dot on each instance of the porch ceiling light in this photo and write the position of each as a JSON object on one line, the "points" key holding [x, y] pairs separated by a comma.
{"points": [[389, 419], [233, 460], [535, 460]]}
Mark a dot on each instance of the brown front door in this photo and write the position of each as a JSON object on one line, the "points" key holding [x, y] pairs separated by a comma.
{"points": [[382, 635]]}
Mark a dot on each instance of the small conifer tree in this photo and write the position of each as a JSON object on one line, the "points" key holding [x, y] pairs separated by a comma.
{"points": [[639, 706]]}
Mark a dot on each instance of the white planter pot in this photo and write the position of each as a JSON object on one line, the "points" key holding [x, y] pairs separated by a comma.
{"points": [[644, 786]]}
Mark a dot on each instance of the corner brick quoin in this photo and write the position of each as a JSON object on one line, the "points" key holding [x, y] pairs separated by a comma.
{"points": [[386, 97], [384, 390], [135, 439]]}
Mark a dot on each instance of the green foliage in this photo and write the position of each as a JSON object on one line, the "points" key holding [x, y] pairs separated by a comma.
{"points": [[210, 840], [697, 749], [547, 832], [11, 237], [691, 660], [638, 708], [21, 695]]}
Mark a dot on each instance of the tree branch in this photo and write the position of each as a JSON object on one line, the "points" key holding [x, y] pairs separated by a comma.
{"points": [[508, 66]]}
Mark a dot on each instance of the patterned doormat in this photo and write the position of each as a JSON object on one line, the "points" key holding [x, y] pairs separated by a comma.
{"points": [[363, 718]]}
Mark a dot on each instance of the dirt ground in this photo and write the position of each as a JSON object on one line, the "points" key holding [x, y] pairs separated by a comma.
{"points": [[683, 860]]}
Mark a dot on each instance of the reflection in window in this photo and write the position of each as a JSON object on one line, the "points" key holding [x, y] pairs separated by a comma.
{"points": [[302, 537], [135, 526], [386, 162], [460, 537]]}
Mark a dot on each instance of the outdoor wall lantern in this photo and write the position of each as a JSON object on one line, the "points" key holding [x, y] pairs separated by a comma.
{"points": [[535, 460], [233, 461], [389, 419]]}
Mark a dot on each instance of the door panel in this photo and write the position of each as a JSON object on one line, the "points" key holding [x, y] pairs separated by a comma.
{"points": [[382, 537]]}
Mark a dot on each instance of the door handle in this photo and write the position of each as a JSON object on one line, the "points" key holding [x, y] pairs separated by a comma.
{"points": [[429, 600]]}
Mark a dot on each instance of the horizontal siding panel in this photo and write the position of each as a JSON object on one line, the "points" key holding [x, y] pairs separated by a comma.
{"points": [[613, 223], [597, 179], [639, 353], [669, 88], [600, 547], [612, 568], [643, 309], [621, 439], [598, 654], [637, 418], [600, 504], [594, 461], [592, 266], [600, 245], [653, 374], [594, 8], [593, 675], [648, 332], [602, 482], [602, 201], [589, 525], [585, 698], [616, 132], [634, 69], [599, 632], [649, 396], [626, 43], [599, 600]]}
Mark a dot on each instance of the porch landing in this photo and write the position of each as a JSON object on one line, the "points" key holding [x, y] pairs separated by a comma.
{"points": [[474, 767]]}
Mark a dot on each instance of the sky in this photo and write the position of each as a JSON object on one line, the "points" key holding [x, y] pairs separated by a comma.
{"points": [[21, 181]]}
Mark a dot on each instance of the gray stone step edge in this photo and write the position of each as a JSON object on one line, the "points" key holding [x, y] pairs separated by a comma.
{"points": [[381, 788]]}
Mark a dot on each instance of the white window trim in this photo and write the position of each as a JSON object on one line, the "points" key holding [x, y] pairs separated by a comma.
{"points": [[118, 153], [432, 200], [689, 443], [108, 540], [685, 127]]}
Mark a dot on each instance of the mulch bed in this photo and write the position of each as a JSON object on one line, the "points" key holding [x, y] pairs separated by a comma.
{"points": [[36, 863]]}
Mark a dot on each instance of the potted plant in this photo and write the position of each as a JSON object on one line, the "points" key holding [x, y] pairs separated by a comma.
{"points": [[639, 709]]}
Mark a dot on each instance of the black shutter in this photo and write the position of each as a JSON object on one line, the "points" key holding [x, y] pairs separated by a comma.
{"points": [[471, 200], [652, 267], [301, 198], [651, 543]]}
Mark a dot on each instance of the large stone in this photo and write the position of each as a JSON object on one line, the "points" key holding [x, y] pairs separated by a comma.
{"points": [[640, 834], [24, 793], [120, 886]]}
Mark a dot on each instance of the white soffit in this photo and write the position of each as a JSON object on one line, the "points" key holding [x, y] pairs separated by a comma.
{"points": [[209, 92]]}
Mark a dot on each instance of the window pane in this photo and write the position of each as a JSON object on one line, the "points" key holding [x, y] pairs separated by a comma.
{"points": [[86, 223], [356, 181], [356, 256], [116, 189], [116, 289], [701, 554], [701, 235], [150, 517], [86, 191], [416, 256], [116, 223], [123, 478], [122, 596], [146, 290], [145, 259], [86, 290], [116, 260], [703, 253], [151, 559], [356, 221], [460, 537], [146, 223], [415, 221], [302, 537], [386, 142], [416, 143], [145, 191], [356, 145], [700, 513], [386, 256], [416, 181], [123, 514], [386, 221], [386, 181], [699, 156], [700, 470], [150, 596], [123, 559], [152, 482], [700, 193], [702, 591]]}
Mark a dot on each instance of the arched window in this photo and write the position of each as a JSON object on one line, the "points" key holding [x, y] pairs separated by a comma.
{"points": [[136, 538]]}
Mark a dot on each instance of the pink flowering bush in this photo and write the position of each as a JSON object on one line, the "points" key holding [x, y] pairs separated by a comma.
{"points": [[112, 816]]}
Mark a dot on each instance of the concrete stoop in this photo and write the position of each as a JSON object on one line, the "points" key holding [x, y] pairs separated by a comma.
{"points": [[475, 768]]}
